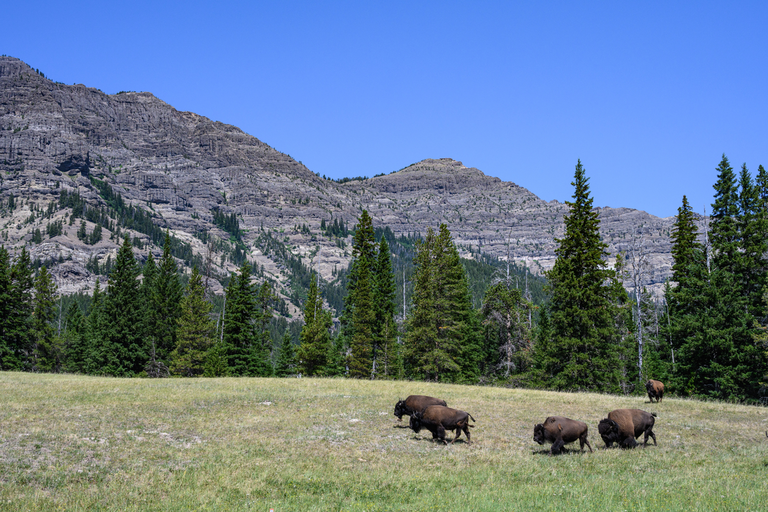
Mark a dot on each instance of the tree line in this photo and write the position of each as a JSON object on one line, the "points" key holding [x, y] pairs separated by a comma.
{"points": [[599, 329]]}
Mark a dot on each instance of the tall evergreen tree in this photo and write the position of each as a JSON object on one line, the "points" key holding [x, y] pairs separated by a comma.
{"points": [[315, 339], [385, 347], [165, 304], [94, 333], [195, 330], [582, 353], [684, 244], [359, 314], [47, 355], [74, 339], [752, 226], [711, 318], [17, 334], [264, 299], [442, 341], [124, 351], [7, 352], [239, 341]]}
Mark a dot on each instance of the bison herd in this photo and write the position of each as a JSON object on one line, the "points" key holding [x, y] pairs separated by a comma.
{"points": [[622, 426]]}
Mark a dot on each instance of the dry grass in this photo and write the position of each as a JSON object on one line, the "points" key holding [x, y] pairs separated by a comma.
{"points": [[71, 442]]}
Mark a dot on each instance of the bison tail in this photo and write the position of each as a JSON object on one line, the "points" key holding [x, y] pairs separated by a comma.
{"points": [[473, 419], [654, 414]]}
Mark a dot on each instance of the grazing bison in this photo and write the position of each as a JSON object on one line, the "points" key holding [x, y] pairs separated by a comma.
{"points": [[655, 390], [559, 430], [623, 426], [438, 418], [415, 403]]}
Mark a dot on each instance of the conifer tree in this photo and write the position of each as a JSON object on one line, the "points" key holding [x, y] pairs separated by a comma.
{"points": [[443, 340], [7, 353], [685, 248], [239, 340], [359, 314], [74, 339], [124, 351], [385, 348], [752, 226], [94, 333], [195, 330], [286, 358], [315, 339], [17, 324], [165, 304], [46, 352], [264, 299], [581, 353]]}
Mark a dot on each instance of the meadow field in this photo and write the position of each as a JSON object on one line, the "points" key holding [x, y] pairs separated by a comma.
{"points": [[88, 443]]}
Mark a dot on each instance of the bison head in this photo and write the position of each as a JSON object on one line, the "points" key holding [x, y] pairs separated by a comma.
{"points": [[538, 433], [400, 409], [416, 422], [609, 431]]}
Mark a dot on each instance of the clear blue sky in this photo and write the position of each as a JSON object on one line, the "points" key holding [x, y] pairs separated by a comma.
{"points": [[648, 95]]}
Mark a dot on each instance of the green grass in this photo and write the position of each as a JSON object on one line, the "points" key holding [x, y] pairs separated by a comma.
{"points": [[85, 443]]}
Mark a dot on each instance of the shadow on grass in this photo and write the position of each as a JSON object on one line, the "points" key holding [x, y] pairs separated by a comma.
{"points": [[563, 451], [448, 440]]}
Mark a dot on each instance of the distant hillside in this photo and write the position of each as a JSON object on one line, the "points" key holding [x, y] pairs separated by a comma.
{"points": [[130, 163]]}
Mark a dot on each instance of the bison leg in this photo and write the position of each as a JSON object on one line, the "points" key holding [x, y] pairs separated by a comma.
{"points": [[466, 431], [649, 432], [583, 440], [441, 434], [557, 446]]}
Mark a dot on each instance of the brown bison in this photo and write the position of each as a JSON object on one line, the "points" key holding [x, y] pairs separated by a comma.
{"points": [[415, 403], [623, 426], [655, 390], [559, 430], [438, 418]]}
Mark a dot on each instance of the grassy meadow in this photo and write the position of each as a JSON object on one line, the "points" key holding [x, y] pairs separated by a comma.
{"points": [[87, 443]]}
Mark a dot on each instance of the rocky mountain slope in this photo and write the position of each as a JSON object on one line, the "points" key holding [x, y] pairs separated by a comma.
{"points": [[182, 168]]}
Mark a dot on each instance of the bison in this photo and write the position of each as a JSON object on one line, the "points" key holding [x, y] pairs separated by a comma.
{"points": [[623, 426], [655, 390], [438, 418], [415, 403], [559, 430]]}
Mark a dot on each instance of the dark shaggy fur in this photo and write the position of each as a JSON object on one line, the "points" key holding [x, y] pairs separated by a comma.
{"points": [[559, 430]]}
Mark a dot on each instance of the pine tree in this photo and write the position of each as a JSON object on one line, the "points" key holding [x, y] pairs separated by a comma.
{"points": [[581, 353], [7, 352], [264, 299], [359, 315], [94, 334], [443, 340], [165, 304], [17, 336], [315, 339], [711, 318], [286, 358], [124, 350], [239, 341], [195, 330], [46, 351], [385, 348], [685, 247], [74, 339], [752, 226]]}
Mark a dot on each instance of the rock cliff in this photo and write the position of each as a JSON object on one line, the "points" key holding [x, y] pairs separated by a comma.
{"points": [[181, 168]]}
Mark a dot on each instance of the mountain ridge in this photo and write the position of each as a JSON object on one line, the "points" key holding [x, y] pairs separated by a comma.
{"points": [[182, 168]]}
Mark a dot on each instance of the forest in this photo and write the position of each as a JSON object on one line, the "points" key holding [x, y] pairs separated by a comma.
{"points": [[411, 308]]}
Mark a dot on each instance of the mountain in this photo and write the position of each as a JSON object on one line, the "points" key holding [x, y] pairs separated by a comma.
{"points": [[64, 147]]}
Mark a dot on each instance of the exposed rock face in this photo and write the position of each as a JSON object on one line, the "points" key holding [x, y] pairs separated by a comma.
{"points": [[183, 166]]}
